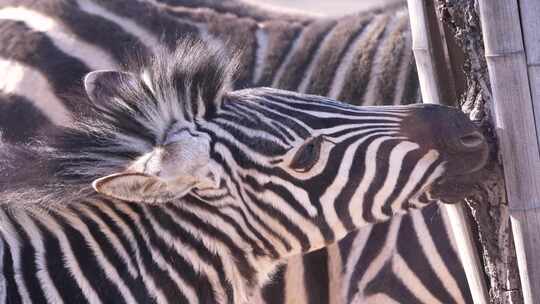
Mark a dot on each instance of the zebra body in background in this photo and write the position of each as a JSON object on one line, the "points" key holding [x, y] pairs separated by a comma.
{"points": [[48, 46], [201, 192]]}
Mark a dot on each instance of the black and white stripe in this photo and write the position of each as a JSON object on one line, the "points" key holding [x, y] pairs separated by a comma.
{"points": [[210, 190], [365, 59]]}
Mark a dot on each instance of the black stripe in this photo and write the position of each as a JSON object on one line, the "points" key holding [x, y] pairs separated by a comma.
{"points": [[387, 283], [416, 259], [198, 280], [243, 265], [382, 166], [28, 265], [240, 117], [315, 122], [320, 104], [393, 50], [359, 73], [433, 218], [88, 263], [60, 275], [277, 214], [261, 145], [356, 174], [369, 253], [281, 37], [316, 277], [345, 244], [273, 292], [228, 171], [239, 37], [331, 53], [20, 120], [90, 28], [116, 230], [422, 182], [161, 277], [238, 9], [135, 286], [407, 166], [311, 38], [258, 251], [165, 27], [12, 293], [412, 85], [282, 119], [35, 49]]}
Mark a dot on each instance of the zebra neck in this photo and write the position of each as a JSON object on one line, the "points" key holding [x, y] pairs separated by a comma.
{"points": [[175, 253]]}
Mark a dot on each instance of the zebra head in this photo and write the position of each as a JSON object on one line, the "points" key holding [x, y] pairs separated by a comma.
{"points": [[299, 170]]}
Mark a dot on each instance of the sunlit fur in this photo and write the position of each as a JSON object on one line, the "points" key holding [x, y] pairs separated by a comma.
{"points": [[215, 244]]}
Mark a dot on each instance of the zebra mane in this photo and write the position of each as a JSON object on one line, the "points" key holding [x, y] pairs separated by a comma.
{"points": [[131, 114]]}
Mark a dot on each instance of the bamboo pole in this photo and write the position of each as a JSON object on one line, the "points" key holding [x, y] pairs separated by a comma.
{"points": [[514, 120], [530, 18], [434, 75]]}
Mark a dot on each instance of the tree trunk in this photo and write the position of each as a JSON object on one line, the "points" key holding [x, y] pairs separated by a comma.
{"points": [[488, 205]]}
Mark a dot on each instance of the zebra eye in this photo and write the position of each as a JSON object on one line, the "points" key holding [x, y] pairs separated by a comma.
{"points": [[307, 155]]}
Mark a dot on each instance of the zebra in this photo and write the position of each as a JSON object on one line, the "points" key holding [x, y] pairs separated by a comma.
{"points": [[179, 190], [367, 60]]}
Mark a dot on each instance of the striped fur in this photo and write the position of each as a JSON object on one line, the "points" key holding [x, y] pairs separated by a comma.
{"points": [[361, 54], [269, 174]]}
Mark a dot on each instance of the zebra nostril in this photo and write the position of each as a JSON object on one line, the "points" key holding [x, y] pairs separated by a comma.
{"points": [[472, 140]]}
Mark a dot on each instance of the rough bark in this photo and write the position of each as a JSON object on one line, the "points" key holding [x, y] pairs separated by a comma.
{"points": [[488, 205]]}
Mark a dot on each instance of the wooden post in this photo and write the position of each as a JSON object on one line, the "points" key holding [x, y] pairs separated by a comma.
{"points": [[515, 85], [435, 77]]}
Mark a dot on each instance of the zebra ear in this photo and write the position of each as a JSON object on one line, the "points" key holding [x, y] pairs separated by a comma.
{"points": [[142, 188], [105, 84]]}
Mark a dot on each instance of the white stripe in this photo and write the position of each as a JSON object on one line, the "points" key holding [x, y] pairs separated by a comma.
{"points": [[335, 274], [414, 178], [94, 57], [113, 239], [34, 235], [395, 165], [154, 291], [295, 286], [128, 25], [289, 105], [370, 169], [315, 61], [411, 281], [435, 259], [110, 271], [12, 239], [356, 250], [352, 53], [157, 256], [191, 257], [373, 88], [297, 44], [405, 69], [328, 199], [276, 243], [24, 81], [202, 27], [262, 52], [384, 255], [68, 256], [233, 124]]}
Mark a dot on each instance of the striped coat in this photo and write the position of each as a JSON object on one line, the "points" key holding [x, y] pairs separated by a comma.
{"points": [[364, 58]]}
